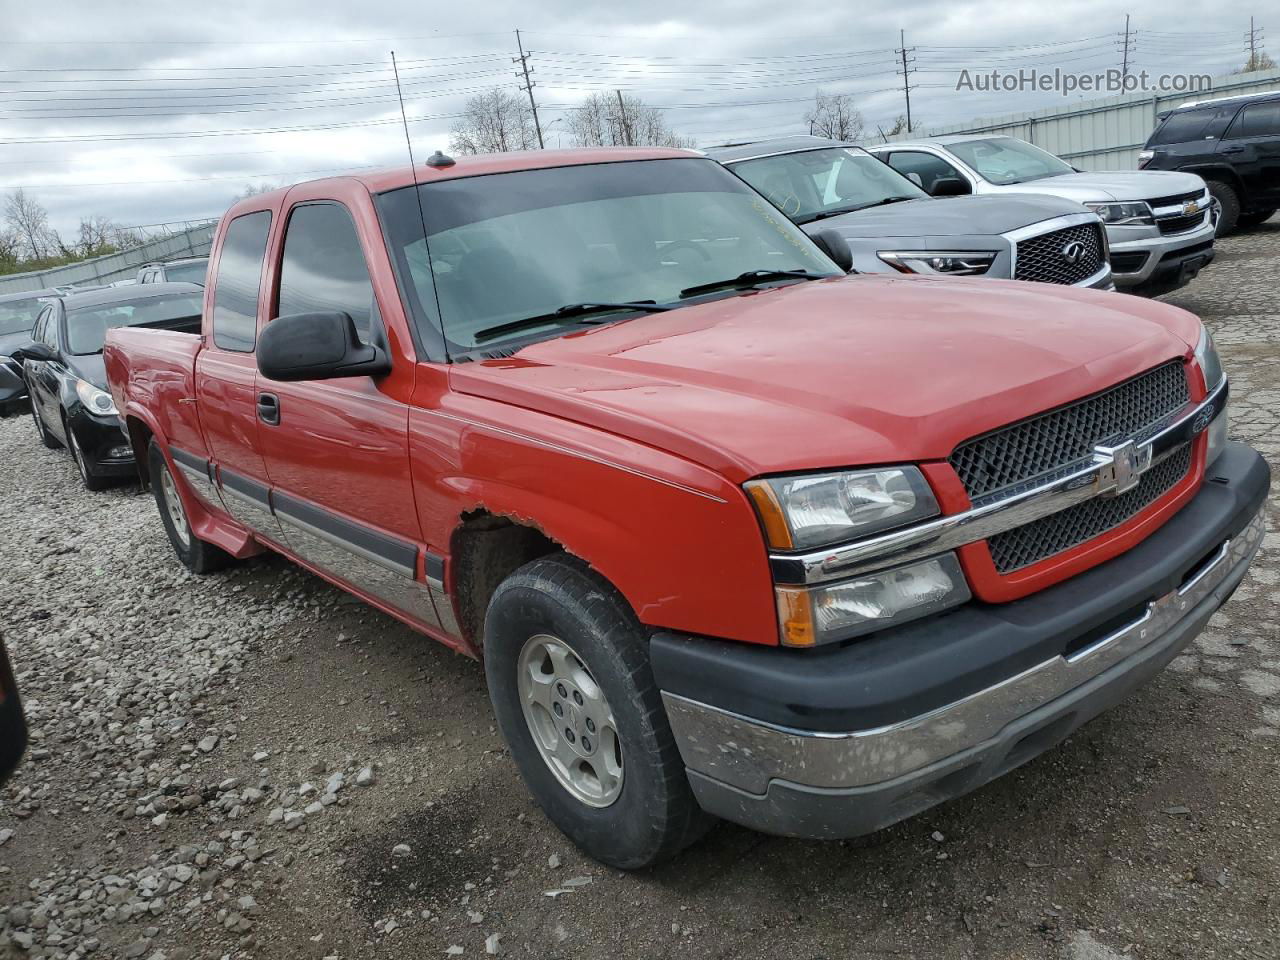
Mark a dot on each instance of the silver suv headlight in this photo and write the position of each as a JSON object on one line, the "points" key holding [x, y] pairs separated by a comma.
{"points": [[95, 400], [1123, 214], [958, 263]]}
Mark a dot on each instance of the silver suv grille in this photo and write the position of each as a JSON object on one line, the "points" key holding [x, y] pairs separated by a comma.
{"points": [[1035, 541], [1055, 258], [1037, 448]]}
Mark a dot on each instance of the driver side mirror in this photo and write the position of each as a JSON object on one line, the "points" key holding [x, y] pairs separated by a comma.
{"points": [[317, 346], [950, 187], [835, 247], [35, 351]]}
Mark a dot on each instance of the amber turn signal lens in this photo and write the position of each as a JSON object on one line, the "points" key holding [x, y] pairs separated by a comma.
{"points": [[795, 617], [770, 511]]}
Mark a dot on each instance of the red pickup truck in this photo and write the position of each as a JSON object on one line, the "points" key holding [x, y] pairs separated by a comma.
{"points": [[734, 534]]}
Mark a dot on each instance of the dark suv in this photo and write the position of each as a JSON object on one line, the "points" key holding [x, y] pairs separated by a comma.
{"points": [[1234, 143]]}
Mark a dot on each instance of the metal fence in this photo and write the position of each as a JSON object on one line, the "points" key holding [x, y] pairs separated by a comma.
{"points": [[1103, 134], [194, 241]]}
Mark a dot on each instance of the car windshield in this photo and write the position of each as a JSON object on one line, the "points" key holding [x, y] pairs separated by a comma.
{"points": [[192, 272], [1005, 160], [512, 246], [18, 316], [87, 326], [811, 183]]}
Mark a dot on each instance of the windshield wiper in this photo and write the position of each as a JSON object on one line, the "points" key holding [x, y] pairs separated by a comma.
{"points": [[851, 208], [749, 279], [568, 312]]}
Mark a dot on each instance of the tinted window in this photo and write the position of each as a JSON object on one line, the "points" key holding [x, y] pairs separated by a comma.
{"points": [[37, 332], [235, 295], [49, 330], [926, 166], [19, 315], [1206, 123], [1258, 120], [87, 326], [188, 272], [324, 268]]}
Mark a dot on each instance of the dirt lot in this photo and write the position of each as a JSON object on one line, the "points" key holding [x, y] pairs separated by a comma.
{"points": [[177, 719]]}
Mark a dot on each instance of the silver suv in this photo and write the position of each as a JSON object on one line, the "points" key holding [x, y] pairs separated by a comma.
{"points": [[891, 224], [1159, 224]]}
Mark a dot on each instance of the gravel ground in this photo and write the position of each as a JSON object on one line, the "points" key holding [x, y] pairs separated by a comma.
{"points": [[254, 764]]}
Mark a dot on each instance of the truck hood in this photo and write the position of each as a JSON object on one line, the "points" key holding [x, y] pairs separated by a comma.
{"points": [[853, 370], [947, 217], [1114, 185]]}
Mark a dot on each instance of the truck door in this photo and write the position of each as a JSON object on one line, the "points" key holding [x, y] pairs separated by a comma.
{"points": [[226, 374], [337, 450]]}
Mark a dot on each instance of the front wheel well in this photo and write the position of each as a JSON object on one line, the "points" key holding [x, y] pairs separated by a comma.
{"points": [[140, 439], [486, 548]]}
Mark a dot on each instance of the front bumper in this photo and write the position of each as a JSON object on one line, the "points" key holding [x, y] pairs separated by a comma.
{"points": [[105, 445], [1142, 256], [841, 743]]}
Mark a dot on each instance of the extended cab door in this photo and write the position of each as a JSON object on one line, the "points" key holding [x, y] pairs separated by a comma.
{"points": [[226, 374], [1252, 145], [337, 450]]}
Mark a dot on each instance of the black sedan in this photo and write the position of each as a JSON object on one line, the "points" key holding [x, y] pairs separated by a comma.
{"points": [[13, 727], [67, 380], [18, 312]]}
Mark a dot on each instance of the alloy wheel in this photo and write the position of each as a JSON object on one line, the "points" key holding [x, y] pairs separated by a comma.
{"points": [[173, 504]]}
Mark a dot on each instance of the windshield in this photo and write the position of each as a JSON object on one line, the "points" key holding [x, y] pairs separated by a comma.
{"points": [[811, 183], [192, 272], [511, 246], [18, 316], [87, 326], [1005, 160]]}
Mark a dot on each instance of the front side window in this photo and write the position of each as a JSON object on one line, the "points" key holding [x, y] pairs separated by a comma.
{"points": [[513, 247], [814, 183], [87, 326], [324, 269], [1258, 120], [19, 315], [923, 168], [235, 293], [1003, 160]]}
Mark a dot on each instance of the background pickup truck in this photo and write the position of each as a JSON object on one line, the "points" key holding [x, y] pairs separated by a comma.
{"points": [[733, 534]]}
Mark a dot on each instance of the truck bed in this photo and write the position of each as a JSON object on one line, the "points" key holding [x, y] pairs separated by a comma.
{"points": [[150, 371]]}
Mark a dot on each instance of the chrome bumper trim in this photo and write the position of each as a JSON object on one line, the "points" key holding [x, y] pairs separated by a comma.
{"points": [[748, 754], [988, 518]]}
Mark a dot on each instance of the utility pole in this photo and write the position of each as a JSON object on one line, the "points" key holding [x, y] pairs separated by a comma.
{"points": [[907, 70], [523, 60], [1124, 61], [623, 123], [1251, 40]]}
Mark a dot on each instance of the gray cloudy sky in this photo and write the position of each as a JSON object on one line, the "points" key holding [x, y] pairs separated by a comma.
{"points": [[147, 112]]}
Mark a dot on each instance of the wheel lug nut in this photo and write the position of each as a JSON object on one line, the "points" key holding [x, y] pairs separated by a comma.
{"points": [[568, 735], [561, 690], [559, 710], [586, 744], [577, 698], [591, 725]]}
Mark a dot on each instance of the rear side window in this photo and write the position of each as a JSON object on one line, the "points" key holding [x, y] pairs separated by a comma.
{"points": [[1206, 123], [324, 269], [1258, 120], [927, 168], [235, 296], [189, 272]]}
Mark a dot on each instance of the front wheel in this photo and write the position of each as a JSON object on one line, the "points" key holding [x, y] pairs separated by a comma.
{"points": [[198, 556], [87, 477], [1228, 202], [568, 670]]}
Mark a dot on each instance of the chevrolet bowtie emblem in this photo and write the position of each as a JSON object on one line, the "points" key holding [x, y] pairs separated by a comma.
{"points": [[1190, 207], [1120, 468]]}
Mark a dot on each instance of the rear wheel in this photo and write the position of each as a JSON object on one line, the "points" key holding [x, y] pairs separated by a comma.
{"points": [[1228, 206], [1255, 218], [197, 555], [568, 670]]}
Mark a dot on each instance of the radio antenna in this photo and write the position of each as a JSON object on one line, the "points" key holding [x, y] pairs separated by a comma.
{"points": [[417, 193]]}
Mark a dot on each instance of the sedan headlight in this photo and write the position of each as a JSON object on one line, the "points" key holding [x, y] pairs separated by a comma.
{"points": [[95, 400], [1123, 214], [817, 509], [962, 263], [832, 612]]}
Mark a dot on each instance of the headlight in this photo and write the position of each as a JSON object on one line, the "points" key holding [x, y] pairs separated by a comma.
{"points": [[1208, 359], [838, 611], [95, 400], [953, 263], [817, 509], [1123, 214]]}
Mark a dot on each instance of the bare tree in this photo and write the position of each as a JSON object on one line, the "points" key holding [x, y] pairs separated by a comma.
{"points": [[1258, 60], [96, 236], [10, 251], [29, 221], [834, 115], [620, 120], [494, 122], [899, 125], [253, 189]]}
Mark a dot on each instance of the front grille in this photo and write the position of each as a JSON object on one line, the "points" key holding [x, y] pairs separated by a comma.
{"points": [[1181, 224], [1057, 440], [1042, 259], [1179, 199], [1035, 541]]}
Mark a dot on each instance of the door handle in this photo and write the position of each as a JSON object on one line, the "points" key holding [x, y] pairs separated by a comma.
{"points": [[1232, 150], [269, 408]]}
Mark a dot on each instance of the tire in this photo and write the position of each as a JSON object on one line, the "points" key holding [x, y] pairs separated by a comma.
{"points": [[1228, 205], [90, 481], [198, 556], [644, 811], [1255, 218], [48, 439]]}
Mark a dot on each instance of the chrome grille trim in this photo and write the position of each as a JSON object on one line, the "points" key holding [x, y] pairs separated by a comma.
{"points": [[1040, 258]]}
